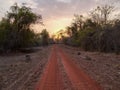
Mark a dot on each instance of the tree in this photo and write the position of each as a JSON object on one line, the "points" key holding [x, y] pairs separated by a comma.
{"points": [[79, 21], [97, 33], [16, 27], [100, 15], [45, 37], [89, 24], [106, 12], [68, 31]]}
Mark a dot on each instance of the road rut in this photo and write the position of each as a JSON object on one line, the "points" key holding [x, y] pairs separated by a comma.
{"points": [[52, 79]]}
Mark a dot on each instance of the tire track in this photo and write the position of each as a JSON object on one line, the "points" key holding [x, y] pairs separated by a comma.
{"points": [[80, 80], [51, 79]]}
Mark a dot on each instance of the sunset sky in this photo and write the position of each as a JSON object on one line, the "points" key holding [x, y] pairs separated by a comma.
{"points": [[57, 14]]}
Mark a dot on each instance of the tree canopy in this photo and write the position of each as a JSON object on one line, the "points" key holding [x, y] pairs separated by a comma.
{"points": [[15, 28], [98, 32]]}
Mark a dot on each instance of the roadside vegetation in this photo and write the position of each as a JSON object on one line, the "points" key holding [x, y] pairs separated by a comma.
{"points": [[98, 32], [16, 32]]}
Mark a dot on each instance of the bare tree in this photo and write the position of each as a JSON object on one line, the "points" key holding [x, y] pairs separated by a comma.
{"points": [[106, 11], [101, 14], [79, 21]]}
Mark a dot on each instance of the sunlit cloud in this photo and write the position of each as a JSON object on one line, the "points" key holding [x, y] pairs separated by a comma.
{"points": [[58, 24], [57, 14]]}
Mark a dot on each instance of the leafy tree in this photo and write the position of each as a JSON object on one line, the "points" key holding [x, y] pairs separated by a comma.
{"points": [[15, 27], [45, 37], [68, 31]]}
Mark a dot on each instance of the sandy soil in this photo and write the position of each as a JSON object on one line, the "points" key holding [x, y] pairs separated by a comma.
{"points": [[104, 68], [17, 74], [62, 74], [67, 83]]}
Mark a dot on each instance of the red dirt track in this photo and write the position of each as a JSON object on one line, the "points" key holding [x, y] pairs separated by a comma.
{"points": [[52, 79], [79, 79]]}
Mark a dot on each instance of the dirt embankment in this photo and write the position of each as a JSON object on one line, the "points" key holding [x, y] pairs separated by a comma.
{"points": [[18, 73], [103, 67]]}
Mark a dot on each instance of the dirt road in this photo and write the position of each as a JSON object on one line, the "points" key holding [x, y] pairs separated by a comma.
{"points": [[52, 79], [17, 74]]}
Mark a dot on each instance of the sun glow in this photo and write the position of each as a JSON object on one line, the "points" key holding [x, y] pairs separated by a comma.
{"points": [[55, 25]]}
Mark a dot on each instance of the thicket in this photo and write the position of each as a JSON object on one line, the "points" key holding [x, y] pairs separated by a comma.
{"points": [[99, 32], [16, 32]]}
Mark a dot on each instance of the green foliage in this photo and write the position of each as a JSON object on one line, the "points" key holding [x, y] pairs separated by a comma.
{"points": [[15, 31], [45, 37], [97, 33]]}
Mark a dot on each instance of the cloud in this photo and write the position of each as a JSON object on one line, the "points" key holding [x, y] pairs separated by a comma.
{"points": [[54, 12], [64, 1], [57, 8], [5, 5]]}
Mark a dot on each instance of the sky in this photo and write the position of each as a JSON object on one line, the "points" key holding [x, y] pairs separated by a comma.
{"points": [[57, 14]]}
